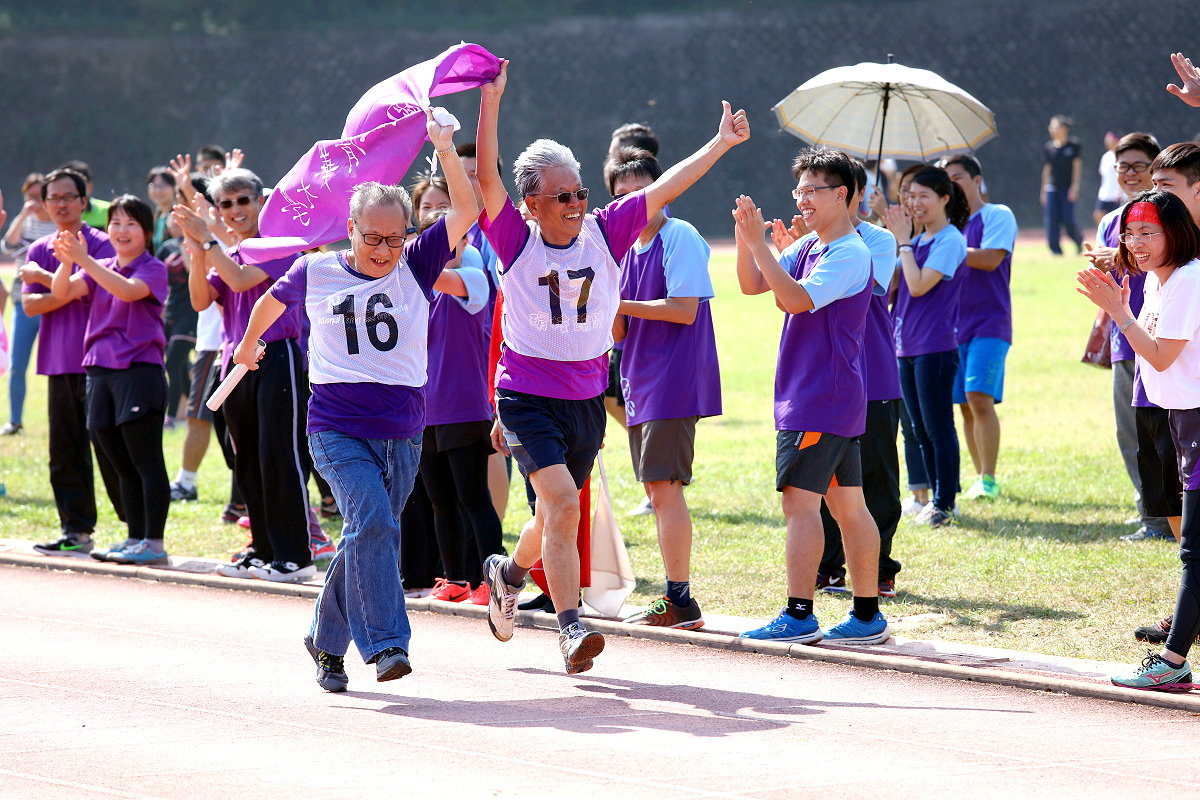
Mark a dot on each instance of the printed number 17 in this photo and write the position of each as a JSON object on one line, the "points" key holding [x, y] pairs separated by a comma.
{"points": [[551, 280]]}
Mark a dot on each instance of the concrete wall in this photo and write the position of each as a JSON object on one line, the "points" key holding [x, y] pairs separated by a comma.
{"points": [[125, 104]]}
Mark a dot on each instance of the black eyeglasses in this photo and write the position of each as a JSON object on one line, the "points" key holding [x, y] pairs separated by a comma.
{"points": [[244, 200], [1137, 167], [376, 239], [61, 198], [565, 197]]}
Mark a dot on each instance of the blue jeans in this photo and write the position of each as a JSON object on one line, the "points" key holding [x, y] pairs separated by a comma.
{"points": [[1060, 212], [363, 597], [25, 331], [927, 383]]}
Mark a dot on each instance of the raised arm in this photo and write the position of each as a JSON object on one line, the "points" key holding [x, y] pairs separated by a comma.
{"points": [[733, 130], [200, 291], [1101, 289], [68, 248], [62, 288], [1189, 76], [487, 146], [238, 277], [463, 209], [918, 279], [791, 296]]}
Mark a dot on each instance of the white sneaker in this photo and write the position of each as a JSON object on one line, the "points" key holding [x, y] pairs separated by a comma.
{"points": [[284, 572], [911, 506], [642, 509], [240, 569], [922, 517], [413, 594], [502, 598]]}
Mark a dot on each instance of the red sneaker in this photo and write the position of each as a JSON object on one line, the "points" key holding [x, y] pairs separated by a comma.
{"points": [[449, 592], [480, 596]]}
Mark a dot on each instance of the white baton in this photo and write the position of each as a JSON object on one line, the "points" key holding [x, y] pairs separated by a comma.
{"points": [[232, 379]]}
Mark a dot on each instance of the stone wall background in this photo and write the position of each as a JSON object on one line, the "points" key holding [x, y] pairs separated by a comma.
{"points": [[126, 103]]}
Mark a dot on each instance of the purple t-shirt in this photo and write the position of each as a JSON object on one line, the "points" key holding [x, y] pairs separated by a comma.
{"points": [[819, 385], [669, 370], [1106, 234], [236, 306], [985, 303], [60, 337], [620, 223], [121, 333], [369, 410], [882, 372], [928, 324], [457, 390]]}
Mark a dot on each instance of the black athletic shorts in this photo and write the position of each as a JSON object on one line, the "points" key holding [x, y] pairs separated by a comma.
{"points": [[614, 376], [454, 435], [117, 396], [816, 461], [544, 431]]}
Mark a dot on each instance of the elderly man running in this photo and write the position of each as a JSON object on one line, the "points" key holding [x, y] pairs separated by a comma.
{"points": [[560, 283]]}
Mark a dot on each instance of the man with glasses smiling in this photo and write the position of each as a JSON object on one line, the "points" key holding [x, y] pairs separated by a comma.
{"points": [[560, 283], [266, 413]]}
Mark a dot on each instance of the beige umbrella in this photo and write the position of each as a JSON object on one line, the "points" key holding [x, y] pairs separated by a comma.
{"points": [[886, 111]]}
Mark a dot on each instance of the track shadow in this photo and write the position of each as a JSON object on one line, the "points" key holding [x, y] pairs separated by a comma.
{"points": [[610, 705], [1073, 532], [1009, 612]]}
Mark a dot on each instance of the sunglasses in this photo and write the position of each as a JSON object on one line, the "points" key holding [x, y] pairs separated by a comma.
{"points": [[244, 200], [565, 197]]}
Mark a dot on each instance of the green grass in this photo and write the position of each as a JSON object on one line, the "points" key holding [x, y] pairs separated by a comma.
{"points": [[1041, 569]]}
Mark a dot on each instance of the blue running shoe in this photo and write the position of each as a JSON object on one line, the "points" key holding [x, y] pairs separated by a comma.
{"points": [[853, 630], [786, 628], [1158, 674], [139, 553]]}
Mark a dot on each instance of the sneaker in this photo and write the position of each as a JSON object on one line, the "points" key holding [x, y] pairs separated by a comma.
{"points": [[232, 514], [391, 664], [887, 587], [502, 598], [138, 553], [1157, 633], [642, 509], [934, 517], [1143, 534], [103, 553], [449, 592], [413, 594], [665, 614], [11, 429], [786, 628], [1157, 674], [480, 596], [911, 506], [241, 568], [329, 509], [833, 584], [579, 646], [1133, 521], [853, 630], [284, 572], [321, 548], [331, 669], [68, 544], [181, 492], [540, 603], [983, 489]]}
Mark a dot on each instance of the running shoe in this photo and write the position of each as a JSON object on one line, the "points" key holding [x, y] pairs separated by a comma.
{"points": [[911, 506], [1157, 633], [887, 587], [853, 630], [450, 592], [138, 553], [642, 509], [579, 646], [502, 598], [331, 669], [103, 553], [1143, 534], [983, 489], [540, 603], [11, 429], [232, 514], [1157, 674], [832, 584], [321, 547], [69, 544], [329, 509], [663, 613], [181, 492], [241, 568], [480, 596], [786, 628], [284, 572], [390, 664], [413, 594], [935, 517]]}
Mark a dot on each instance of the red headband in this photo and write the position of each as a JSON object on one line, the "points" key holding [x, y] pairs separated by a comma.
{"points": [[1143, 211]]}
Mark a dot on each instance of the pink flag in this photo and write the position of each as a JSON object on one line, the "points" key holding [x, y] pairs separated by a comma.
{"points": [[384, 132]]}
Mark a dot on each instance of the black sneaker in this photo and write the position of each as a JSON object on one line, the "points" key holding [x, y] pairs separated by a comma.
{"points": [[331, 669], [391, 664], [542, 603], [832, 584], [68, 544], [232, 514], [181, 492]]}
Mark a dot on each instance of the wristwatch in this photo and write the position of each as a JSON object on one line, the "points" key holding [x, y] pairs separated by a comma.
{"points": [[210, 244]]}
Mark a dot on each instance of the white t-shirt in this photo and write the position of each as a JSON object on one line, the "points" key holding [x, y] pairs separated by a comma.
{"points": [[1172, 311], [1110, 186]]}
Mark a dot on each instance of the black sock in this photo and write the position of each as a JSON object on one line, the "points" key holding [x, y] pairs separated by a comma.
{"points": [[514, 575], [568, 618], [865, 608], [679, 592], [799, 607]]}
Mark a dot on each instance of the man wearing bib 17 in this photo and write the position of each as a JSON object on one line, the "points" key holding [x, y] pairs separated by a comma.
{"points": [[560, 283], [368, 309], [823, 283]]}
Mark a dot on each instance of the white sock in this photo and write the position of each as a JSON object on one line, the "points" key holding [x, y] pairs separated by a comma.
{"points": [[186, 479]]}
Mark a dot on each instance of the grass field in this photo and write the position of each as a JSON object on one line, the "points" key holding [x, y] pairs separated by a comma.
{"points": [[1041, 569]]}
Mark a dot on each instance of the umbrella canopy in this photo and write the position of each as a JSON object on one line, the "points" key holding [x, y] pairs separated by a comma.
{"points": [[886, 111]]}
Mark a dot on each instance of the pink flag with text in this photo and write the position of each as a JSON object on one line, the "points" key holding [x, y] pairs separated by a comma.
{"points": [[384, 133]]}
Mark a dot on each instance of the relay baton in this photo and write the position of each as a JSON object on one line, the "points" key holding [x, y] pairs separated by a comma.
{"points": [[231, 380]]}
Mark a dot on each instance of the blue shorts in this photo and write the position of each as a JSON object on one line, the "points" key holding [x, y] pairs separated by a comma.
{"points": [[980, 369]]}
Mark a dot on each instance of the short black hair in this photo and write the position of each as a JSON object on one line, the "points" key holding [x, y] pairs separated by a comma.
{"points": [[79, 166], [1142, 142], [467, 150], [139, 211], [160, 172], [1183, 157], [860, 174], [629, 161], [211, 152], [935, 179], [636, 134], [63, 172], [968, 162], [834, 165], [1182, 235]]}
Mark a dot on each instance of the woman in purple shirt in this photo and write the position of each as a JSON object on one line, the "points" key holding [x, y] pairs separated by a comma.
{"points": [[126, 386], [926, 316]]}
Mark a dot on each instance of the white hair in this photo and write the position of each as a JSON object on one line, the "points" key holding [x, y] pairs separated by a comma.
{"points": [[537, 158], [379, 194], [234, 180]]}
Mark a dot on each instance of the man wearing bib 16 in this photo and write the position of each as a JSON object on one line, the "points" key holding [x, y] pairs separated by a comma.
{"points": [[560, 284], [369, 313], [824, 285]]}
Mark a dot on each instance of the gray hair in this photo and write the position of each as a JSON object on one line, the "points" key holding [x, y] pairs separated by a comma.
{"points": [[537, 158], [235, 180], [379, 194]]}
